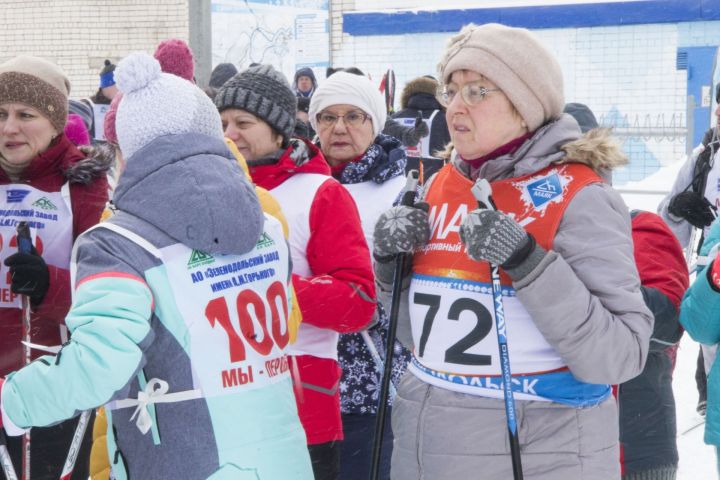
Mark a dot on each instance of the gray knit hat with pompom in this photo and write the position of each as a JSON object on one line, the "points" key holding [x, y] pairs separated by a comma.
{"points": [[264, 92], [156, 104]]}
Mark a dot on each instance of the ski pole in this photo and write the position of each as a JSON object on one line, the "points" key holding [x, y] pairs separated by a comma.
{"points": [[24, 243], [408, 199], [75, 445], [5, 459], [379, 364], [482, 191], [390, 91]]}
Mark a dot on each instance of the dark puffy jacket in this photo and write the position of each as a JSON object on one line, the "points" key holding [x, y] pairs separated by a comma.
{"points": [[419, 96], [426, 104], [647, 406]]}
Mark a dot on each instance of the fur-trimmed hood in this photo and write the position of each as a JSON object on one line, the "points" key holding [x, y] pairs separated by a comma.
{"points": [[97, 162], [415, 86], [597, 149], [560, 141]]}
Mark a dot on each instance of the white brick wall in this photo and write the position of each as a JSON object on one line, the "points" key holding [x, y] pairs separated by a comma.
{"points": [[80, 34], [337, 8]]}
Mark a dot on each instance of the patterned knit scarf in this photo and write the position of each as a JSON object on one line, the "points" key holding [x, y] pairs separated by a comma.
{"points": [[383, 160]]}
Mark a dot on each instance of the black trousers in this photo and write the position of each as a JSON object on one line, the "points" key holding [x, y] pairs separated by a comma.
{"points": [[701, 378], [356, 449], [48, 449], [325, 459]]}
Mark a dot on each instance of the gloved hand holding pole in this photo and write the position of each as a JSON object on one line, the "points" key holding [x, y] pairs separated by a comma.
{"points": [[408, 199]]}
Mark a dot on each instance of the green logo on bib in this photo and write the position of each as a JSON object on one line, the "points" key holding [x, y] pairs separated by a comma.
{"points": [[45, 204], [198, 258], [265, 241]]}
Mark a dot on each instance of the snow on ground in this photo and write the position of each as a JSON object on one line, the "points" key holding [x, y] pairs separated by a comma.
{"points": [[697, 460], [647, 193]]}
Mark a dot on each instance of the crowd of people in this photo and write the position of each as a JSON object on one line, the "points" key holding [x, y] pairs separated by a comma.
{"points": [[217, 275]]}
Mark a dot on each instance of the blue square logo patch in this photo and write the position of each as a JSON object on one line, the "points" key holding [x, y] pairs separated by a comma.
{"points": [[16, 196], [543, 190]]}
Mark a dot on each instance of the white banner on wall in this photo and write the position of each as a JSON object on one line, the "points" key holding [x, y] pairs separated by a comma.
{"points": [[287, 34]]}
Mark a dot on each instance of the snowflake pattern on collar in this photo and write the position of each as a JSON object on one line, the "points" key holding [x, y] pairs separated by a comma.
{"points": [[383, 160]]}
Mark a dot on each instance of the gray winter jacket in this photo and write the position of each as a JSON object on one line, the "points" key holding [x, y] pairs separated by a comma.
{"points": [[585, 299]]}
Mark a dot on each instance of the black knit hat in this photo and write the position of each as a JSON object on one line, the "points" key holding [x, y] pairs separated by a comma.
{"points": [[303, 104], [264, 92], [221, 74]]}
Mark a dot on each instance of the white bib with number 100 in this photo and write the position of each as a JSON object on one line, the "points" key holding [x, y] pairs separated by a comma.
{"points": [[235, 309]]}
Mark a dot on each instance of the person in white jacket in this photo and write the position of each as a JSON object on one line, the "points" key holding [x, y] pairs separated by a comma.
{"points": [[691, 205]]}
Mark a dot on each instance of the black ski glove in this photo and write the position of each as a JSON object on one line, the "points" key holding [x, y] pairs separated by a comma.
{"points": [[30, 275], [420, 130], [693, 207]]}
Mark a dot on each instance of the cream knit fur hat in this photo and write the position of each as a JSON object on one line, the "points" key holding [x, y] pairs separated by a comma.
{"points": [[515, 61]]}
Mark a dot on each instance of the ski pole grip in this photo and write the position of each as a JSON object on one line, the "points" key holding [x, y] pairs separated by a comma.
{"points": [[408, 197], [24, 240], [482, 191]]}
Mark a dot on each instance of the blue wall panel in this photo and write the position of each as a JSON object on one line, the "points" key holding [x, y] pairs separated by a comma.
{"points": [[554, 16]]}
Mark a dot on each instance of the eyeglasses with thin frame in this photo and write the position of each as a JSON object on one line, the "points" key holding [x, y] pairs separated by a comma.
{"points": [[471, 93], [351, 119]]}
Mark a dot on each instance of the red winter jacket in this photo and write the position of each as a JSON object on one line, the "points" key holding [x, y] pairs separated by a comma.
{"points": [[659, 256], [48, 172], [340, 294]]}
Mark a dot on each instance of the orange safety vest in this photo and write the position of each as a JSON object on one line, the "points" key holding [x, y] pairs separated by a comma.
{"points": [[451, 294]]}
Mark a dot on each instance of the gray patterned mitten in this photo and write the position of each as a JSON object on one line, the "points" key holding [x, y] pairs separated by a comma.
{"points": [[401, 229], [494, 237]]}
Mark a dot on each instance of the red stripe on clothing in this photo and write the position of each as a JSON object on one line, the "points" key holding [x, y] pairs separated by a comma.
{"points": [[127, 276]]}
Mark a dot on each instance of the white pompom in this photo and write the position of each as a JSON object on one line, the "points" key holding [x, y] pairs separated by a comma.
{"points": [[136, 71]]}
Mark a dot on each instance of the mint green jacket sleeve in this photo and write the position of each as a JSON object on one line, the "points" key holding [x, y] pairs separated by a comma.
{"points": [[109, 321], [700, 310]]}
